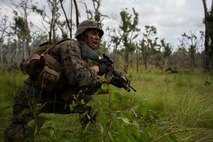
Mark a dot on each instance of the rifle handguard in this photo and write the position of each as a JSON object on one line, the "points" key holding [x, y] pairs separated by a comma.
{"points": [[120, 81]]}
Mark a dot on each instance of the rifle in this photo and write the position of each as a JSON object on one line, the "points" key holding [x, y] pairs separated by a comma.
{"points": [[119, 80]]}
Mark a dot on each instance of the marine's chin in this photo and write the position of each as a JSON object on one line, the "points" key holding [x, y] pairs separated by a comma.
{"points": [[93, 46]]}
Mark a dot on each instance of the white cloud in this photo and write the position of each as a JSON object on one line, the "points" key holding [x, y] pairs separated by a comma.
{"points": [[179, 3]]}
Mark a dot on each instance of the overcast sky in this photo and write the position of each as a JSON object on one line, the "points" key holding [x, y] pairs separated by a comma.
{"points": [[171, 17]]}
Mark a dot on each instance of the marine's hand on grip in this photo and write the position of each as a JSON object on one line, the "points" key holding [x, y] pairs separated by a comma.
{"points": [[102, 69]]}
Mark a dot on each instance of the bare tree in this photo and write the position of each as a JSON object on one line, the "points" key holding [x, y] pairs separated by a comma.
{"points": [[54, 7], [95, 13], [3, 29], [191, 40], [21, 22]]}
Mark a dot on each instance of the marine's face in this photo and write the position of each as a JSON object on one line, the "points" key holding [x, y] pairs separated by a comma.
{"points": [[93, 38]]}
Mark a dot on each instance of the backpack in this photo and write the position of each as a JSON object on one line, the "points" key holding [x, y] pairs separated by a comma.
{"points": [[43, 69]]}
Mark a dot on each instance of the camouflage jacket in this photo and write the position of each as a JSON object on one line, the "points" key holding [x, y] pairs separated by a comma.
{"points": [[75, 67]]}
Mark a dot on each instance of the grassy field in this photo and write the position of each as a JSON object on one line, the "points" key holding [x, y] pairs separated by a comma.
{"points": [[165, 108]]}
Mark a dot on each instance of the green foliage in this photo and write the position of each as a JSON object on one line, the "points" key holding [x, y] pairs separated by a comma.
{"points": [[37, 10], [20, 27], [129, 32], [166, 107]]}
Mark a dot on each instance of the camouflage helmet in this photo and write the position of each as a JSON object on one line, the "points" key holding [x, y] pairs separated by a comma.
{"points": [[88, 24]]}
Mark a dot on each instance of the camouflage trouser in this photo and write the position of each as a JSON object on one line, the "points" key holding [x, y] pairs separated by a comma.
{"points": [[29, 102]]}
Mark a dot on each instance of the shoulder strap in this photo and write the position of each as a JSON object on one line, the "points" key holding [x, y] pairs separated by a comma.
{"points": [[51, 45]]}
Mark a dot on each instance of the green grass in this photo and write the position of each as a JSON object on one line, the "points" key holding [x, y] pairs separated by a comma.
{"points": [[10, 83], [166, 107]]}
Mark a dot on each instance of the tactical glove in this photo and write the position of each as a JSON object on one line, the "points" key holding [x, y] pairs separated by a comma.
{"points": [[102, 69]]}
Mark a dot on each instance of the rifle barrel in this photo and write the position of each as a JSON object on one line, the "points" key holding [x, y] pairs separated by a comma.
{"points": [[132, 88]]}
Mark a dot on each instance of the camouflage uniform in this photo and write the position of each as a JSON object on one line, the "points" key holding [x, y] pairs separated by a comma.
{"points": [[79, 82]]}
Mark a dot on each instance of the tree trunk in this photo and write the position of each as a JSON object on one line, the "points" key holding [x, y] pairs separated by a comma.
{"points": [[126, 56], [137, 59], [1, 51], [206, 43]]}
